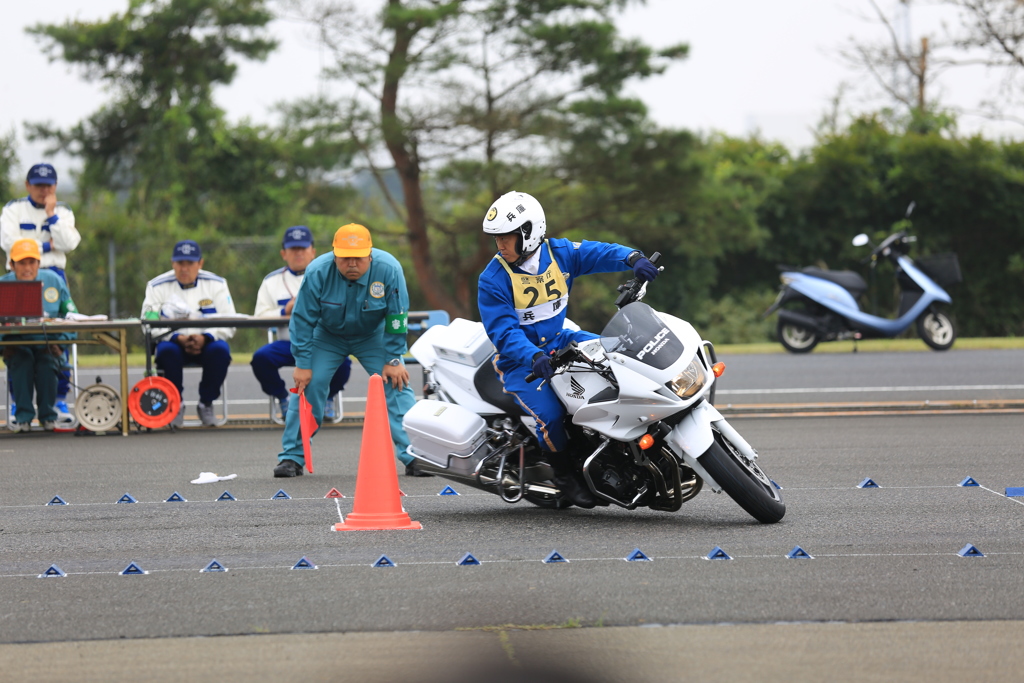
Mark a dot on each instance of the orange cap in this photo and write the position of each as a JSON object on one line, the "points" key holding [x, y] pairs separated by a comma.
{"points": [[352, 241], [25, 248]]}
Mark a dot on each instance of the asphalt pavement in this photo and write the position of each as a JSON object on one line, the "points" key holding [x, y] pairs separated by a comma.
{"points": [[884, 593]]}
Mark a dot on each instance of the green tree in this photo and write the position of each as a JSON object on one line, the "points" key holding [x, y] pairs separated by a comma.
{"points": [[162, 140], [478, 97], [969, 196], [8, 164]]}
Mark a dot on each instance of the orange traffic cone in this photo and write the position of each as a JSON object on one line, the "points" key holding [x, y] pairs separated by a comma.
{"points": [[377, 504]]}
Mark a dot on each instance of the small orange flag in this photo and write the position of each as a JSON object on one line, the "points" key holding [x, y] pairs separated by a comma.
{"points": [[307, 427]]}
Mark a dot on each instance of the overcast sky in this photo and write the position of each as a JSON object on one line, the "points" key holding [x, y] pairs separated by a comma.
{"points": [[754, 66]]}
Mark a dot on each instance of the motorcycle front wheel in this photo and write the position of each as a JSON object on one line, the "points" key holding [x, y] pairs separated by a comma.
{"points": [[936, 329], [744, 481], [796, 339]]}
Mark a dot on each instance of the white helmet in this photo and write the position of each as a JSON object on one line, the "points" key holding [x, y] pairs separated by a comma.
{"points": [[520, 213]]}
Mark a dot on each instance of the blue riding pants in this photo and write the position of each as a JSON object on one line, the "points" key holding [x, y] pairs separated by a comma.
{"points": [[540, 402]]}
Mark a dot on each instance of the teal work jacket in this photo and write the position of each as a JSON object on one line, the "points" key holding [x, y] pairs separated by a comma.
{"points": [[332, 312]]}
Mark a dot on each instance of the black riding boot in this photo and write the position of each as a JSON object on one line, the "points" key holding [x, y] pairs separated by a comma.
{"points": [[570, 480]]}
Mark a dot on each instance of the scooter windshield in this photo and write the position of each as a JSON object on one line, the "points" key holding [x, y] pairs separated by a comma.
{"points": [[637, 331]]}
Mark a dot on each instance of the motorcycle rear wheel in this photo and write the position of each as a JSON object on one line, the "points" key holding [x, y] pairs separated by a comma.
{"points": [[936, 329], [796, 339], [744, 481]]}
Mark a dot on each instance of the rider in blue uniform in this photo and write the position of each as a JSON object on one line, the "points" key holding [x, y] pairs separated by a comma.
{"points": [[353, 301], [522, 295]]}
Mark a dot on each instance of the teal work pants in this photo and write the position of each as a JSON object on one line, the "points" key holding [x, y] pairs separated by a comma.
{"points": [[370, 354], [33, 370]]}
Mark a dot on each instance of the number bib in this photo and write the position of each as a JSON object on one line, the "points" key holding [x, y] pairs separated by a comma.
{"points": [[538, 297]]}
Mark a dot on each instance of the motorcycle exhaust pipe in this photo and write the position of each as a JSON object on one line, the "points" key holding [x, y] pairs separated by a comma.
{"points": [[789, 317]]}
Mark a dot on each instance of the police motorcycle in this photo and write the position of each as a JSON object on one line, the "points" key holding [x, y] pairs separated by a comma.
{"points": [[821, 305], [639, 399]]}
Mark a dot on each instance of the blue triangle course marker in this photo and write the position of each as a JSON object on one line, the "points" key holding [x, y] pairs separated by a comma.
{"points": [[127, 498], [133, 570], [970, 551], [448, 491], [798, 553], [227, 496], [54, 570], [969, 481], [281, 495], [468, 561], [637, 556], [304, 564], [1014, 491], [555, 556], [57, 500], [175, 498], [775, 484], [718, 554], [384, 561], [868, 483], [214, 566]]}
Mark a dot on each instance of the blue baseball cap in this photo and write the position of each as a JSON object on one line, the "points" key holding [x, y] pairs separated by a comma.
{"points": [[42, 174], [297, 236], [187, 250]]}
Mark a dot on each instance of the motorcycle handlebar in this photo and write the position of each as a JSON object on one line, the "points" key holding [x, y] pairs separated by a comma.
{"points": [[630, 289], [561, 358]]}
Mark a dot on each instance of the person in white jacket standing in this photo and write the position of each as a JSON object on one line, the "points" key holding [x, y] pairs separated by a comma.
{"points": [[188, 291], [41, 217], [277, 298]]}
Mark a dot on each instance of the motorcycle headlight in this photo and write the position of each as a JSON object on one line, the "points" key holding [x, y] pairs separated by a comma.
{"points": [[689, 381]]}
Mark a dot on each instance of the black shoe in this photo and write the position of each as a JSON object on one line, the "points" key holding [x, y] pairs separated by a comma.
{"points": [[288, 468], [575, 489], [412, 470]]}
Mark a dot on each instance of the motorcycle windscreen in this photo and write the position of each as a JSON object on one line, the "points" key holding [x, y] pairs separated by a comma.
{"points": [[637, 331]]}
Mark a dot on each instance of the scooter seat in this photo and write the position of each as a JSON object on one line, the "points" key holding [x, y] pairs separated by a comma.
{"points": [[847, 279], [492, 390]]}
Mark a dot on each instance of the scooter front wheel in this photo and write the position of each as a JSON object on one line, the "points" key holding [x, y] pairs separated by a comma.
{"points": [[936, 329], [796, 339]]}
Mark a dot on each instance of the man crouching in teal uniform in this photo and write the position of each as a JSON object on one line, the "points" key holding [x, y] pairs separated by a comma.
{"points": [[351, 302]]}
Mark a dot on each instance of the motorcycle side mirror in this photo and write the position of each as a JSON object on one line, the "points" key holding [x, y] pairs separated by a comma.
{"points": [[860, 240], [910, 209]]}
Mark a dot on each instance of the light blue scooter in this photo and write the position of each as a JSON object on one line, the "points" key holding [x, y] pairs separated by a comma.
{"points": [[821, 305]]}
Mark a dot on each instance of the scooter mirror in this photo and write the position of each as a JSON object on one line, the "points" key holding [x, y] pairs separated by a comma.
{"points": [[860, 240]]}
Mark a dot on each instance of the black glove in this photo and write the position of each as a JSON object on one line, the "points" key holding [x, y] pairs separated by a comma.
{"points": [[644, 270], [542, 367]]}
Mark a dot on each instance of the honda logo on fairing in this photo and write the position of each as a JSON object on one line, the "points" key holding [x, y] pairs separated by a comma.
{"points": [[577, 389], [651, 344]]}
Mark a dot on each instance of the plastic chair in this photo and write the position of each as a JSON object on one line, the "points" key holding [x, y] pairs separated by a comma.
{"points": [[339, 413]]}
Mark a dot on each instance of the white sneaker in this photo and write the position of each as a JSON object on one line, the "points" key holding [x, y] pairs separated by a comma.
{"points": [[206, 415], [179, 419], [20, 426], [49, 425]]}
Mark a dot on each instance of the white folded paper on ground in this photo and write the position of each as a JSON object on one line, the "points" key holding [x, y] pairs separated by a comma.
{"points": [[211, 477]]}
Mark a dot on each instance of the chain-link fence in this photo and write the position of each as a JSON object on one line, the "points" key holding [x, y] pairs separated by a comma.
{"points": [[110, 278]]}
